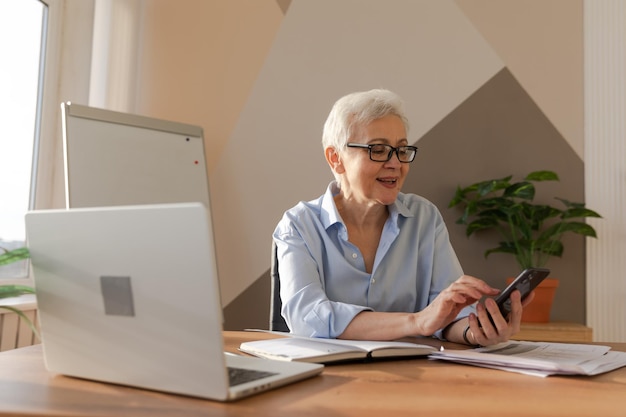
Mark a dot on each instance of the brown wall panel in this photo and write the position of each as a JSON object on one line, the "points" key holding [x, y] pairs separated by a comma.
{"points": [[251, 308]]}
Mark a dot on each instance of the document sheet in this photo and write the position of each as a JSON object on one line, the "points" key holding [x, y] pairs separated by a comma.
{"points": [[539, 358]]}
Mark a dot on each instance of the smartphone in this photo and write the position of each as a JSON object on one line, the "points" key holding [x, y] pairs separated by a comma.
{"points": [[525, 282]]}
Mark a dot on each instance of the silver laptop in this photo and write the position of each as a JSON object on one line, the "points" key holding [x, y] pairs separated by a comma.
{"points": [[130, 295]]}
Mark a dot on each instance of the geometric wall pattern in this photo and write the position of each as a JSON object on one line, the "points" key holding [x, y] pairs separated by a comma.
{"points": [[500, 80], [469, 113]]}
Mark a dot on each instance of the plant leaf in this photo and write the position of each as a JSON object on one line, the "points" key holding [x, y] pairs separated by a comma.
{"points": [[551, 247], [480, 224], [485, 187], [579, 212], [531, 232], [14, 255], [524, 190], [570, 203], [14, 290], [24, 317], [459, 196], [542, 176], [558, 229]]}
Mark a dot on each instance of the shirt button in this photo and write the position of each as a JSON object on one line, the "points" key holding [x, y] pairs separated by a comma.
{"points": [[373, 281], [354, 256]]}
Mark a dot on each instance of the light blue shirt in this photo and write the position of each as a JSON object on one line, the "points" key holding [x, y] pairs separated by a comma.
{"points": [[323, 281]]}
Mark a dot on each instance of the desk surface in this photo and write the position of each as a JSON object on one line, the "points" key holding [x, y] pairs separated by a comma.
{"points": [[555, 332], [402, 387]]}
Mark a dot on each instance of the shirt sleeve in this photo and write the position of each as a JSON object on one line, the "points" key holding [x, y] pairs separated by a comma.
{"points": [[305, 305], [446, 269]]}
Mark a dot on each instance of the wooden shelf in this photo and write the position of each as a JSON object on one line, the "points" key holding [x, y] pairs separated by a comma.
{"points": [[555, 332]]}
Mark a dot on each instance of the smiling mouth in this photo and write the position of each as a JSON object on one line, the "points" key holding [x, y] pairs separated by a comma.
{"points": [[388, 180]]}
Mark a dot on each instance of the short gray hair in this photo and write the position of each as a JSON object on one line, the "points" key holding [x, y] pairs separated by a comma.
{"points": [[359, 109]]}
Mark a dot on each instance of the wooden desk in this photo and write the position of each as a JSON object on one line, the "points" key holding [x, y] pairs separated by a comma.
{"points": [[392, 388], [555, 332]]}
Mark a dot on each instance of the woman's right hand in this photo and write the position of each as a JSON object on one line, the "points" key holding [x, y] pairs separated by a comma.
{"points": [[445, 308]]}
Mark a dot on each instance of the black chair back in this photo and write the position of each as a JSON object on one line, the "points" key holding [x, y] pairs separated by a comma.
{"points": [[277, 321]]}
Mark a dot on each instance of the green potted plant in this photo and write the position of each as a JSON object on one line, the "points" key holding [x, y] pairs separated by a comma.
{"points": [[10, 290], [531, 232]]}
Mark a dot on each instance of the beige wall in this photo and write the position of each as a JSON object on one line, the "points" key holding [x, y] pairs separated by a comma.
{"points": [[541, 44], [199, 60]]}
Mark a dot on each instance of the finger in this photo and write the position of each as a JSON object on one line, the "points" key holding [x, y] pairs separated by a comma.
{"points": [[471, 287], [516, 301], [487, 310], [455, 297], [475, 334], [478, 284], [528, 299], [457, 289], [516, 312]]}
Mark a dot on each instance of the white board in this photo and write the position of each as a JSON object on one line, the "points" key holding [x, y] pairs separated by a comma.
{"points": [[114, 158]]}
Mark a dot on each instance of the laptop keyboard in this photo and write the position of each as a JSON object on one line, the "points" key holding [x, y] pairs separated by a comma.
{"points": [[237, 376]]}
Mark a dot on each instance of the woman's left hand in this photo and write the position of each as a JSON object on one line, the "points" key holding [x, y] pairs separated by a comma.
{"points": [[484, 332]]}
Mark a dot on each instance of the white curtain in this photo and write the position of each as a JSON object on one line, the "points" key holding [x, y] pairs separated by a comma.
{"points": [[115, 54]]}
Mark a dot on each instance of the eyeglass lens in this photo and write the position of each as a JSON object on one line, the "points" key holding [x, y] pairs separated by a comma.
{"points": [[383, 153]]}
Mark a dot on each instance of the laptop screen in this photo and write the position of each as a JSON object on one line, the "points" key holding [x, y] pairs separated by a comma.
{"points": [[114, 158]]}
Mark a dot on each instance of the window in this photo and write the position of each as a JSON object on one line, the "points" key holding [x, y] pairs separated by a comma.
{"points": [[22, 28]]}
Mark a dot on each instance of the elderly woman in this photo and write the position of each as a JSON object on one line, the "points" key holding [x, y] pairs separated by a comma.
{"points": [[366, 261]]}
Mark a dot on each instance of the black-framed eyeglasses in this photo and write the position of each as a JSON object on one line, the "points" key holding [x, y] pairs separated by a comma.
{"points": [[380, 152]]}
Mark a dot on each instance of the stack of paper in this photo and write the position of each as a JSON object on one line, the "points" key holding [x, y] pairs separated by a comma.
{"points": [[539, 358]]}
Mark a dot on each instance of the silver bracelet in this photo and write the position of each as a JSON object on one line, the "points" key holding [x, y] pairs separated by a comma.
{"points": [[465, 337]]}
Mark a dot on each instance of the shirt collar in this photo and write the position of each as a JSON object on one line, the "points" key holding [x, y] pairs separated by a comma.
{"points": [[399, 207], [330, 215]]}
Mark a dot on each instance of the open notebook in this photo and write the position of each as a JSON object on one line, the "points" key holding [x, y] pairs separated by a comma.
{"points": [[130, 295]]}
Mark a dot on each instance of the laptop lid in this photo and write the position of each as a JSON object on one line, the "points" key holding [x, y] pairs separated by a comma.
{"points": [[129, 295]]}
